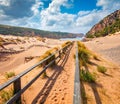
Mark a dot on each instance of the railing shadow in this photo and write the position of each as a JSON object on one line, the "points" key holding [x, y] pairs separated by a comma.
{"points": [[94, 89], [45, 91], [83, 93]]}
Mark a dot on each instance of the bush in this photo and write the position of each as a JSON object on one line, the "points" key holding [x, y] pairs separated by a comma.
{"points": [[101, 69], [1, 39], [9, 74], [84, 56], [45, 55], [87, 76], [6, 95], [90, 36], [81, 45]]}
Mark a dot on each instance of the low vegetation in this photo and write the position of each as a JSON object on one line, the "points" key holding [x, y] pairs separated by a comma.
{"points": [[83, 54], [50, 53], [1, 42], [9, 74], [6, 95], [47, 54], [1, 39], [101, 69], [64, 45], [87, 76]]}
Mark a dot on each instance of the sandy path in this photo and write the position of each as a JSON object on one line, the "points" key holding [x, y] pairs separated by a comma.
{"points": [[58, 88], [62, 92], [108, 47]]}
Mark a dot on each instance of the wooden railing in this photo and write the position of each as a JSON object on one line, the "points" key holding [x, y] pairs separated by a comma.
{"points": [[77, 91], [16, 81]]}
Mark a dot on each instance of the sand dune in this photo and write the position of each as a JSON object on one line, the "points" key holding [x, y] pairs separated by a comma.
{"points": [[108, 47], [31, 47], [107, 87]]}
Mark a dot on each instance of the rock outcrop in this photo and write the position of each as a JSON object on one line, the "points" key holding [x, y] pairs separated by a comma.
{"points": [[109, 24]]}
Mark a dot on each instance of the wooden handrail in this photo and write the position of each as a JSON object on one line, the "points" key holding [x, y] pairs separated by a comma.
{"points": [[77, 92]]}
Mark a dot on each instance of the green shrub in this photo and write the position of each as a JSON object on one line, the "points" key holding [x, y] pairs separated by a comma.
{"points": [[9, 74], [65, 44], [87, 76], [90, 36], [1, 39], [84, 56], [81, 45], [45, 55], [6, 95], [101, 69]]}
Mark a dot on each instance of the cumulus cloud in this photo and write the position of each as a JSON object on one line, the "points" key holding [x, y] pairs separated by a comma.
{"points": [[52, 16], [5, 2], [36, 6], [17, 8], [109, 4], [20, 12]]}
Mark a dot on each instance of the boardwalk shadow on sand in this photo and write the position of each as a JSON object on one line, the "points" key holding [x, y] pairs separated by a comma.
{"points": [[45, 91]]}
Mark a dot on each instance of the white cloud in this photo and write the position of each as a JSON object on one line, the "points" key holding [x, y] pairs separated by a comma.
{"points": [[82, 13], [5, 2], [85, 22], [52, 18], [90, 18], [36, 6], [109, 4]]}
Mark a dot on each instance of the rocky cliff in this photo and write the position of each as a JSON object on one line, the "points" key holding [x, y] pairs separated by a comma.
{"points": [[109, 24]]}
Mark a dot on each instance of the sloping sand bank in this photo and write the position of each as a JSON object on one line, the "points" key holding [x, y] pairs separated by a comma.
{"points": [[108, 47]]}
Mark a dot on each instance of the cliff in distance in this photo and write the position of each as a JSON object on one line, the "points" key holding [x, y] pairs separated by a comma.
{"points": [[108, 25]]}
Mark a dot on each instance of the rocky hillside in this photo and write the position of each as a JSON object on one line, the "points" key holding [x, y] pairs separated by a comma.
{"points": [[108, 25], [21, 31]]}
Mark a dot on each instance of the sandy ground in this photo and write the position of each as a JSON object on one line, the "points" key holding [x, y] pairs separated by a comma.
{"points": [[57, 88], [106, 90], [15, 62], [108, 47], [30, 46]]}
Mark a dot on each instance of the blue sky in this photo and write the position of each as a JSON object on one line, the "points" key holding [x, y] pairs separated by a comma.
{"points": [[76, 16]]}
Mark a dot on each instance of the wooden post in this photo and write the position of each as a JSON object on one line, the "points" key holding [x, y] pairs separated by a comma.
{"points": [[60, 53], [17, 87]]}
